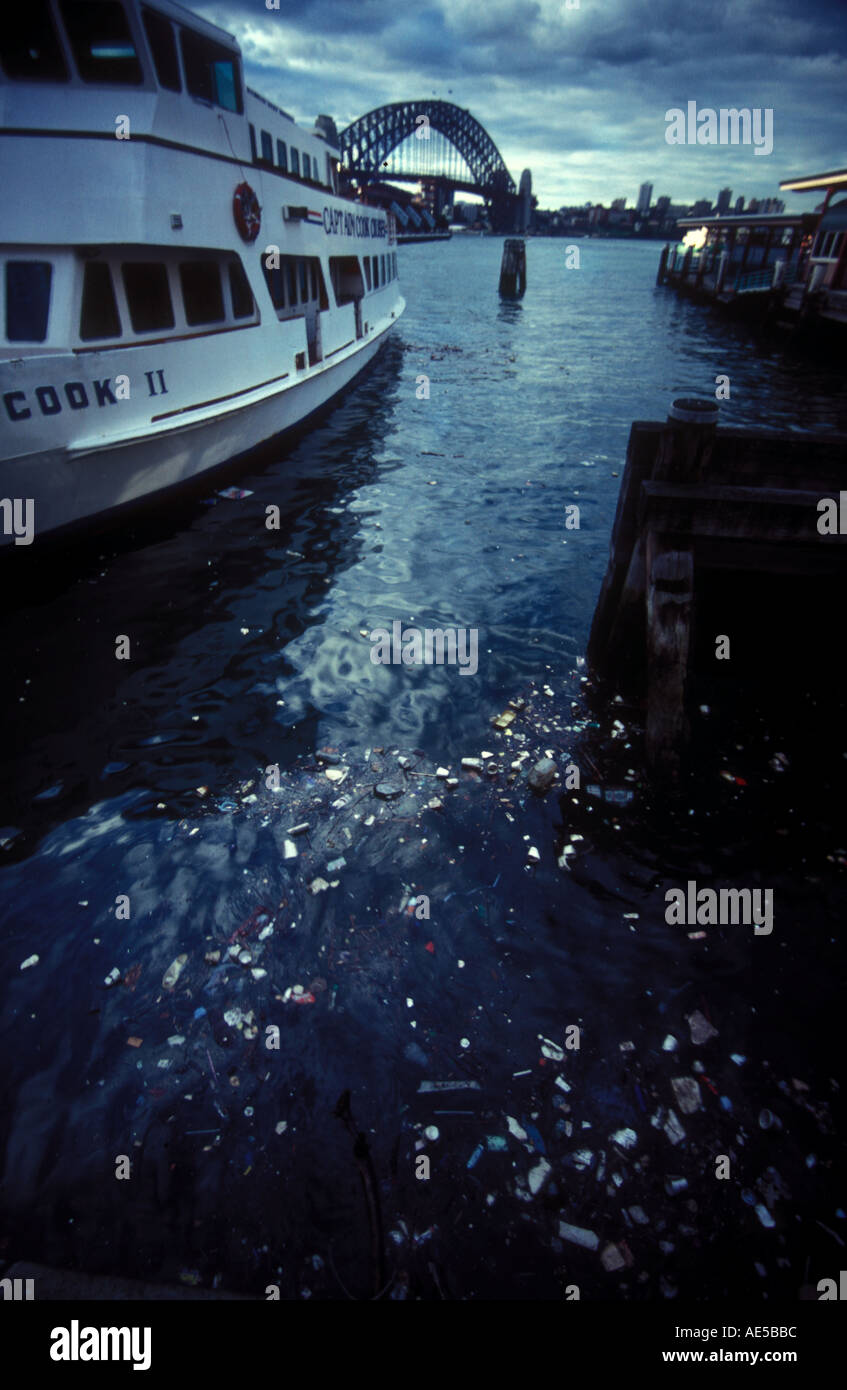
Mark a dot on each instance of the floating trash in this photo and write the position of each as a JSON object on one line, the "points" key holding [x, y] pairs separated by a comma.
{"points": [[538, 1175], [174, 971], [438, 1086], [611, 1259], [701, 1028], [542, 776], [673, 1129], [687, 1093], [579, 1235]]}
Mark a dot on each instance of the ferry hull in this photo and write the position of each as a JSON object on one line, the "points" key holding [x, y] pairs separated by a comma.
{"points": [[71, 487]]}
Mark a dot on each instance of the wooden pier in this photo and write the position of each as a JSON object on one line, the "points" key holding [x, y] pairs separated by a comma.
{"points": [[785, 269], [695, 499]]}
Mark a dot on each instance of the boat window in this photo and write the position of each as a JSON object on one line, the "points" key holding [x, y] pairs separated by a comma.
{"points": [[367, 261], [276, 284], [346, 276], [101, 41], [376, 272], [828, 246], [148, 295], [304, 281], [253, 152], [318, 285], [29, 47], [99, 317], [202, 293], [295, 161], [211, 71], [239, 288], [281, 154], [27, 300], [382, 269], [292, 279], [267, 147], [307, 166], [162, 41]]}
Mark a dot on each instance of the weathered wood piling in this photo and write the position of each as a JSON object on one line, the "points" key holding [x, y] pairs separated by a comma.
{"points": [[513, 268], [695, 499]]}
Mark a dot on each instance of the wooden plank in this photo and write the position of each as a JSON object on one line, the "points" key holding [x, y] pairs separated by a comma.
{"points": [[768, 514], [739, 554], [641, 450]]}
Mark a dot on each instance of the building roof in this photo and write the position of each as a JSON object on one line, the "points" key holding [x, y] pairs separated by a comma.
{"points": [[836, 178], [748, 219]]}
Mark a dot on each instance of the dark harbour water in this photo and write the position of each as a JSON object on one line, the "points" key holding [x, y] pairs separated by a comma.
{"points": [[144, 778]]}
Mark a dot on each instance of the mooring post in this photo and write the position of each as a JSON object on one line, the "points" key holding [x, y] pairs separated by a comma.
{"points": [[723, 262], [685, 448], [513, 268], [670, 596]]}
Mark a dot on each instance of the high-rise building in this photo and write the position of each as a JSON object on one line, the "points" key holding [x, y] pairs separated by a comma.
{"points": [[524, 214], [739, 205], [701, 208], [645, 193], [618, 204], [724, 198]]}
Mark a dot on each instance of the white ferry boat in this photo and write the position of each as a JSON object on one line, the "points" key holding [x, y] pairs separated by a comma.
{"points": [[179, 278]]}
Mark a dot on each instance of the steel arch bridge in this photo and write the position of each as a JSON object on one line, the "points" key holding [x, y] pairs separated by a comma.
{"points": [[368, 143]]}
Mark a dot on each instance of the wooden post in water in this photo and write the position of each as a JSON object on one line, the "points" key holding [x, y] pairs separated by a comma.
{"points": [[723, 262], [513, 268], [686, 446]]}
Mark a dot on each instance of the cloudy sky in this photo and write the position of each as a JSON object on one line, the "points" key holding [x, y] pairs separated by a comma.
{"points": [[579, 94]]}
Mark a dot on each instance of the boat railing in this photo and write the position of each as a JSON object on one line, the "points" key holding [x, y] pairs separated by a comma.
{"points": [[755, 281], [271, 104]]}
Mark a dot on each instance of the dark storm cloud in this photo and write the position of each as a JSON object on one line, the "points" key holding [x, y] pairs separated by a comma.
{"points": [[577, 95]]}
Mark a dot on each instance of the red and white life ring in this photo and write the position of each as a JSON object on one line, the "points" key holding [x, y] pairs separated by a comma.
{"points": [[246, 211]]}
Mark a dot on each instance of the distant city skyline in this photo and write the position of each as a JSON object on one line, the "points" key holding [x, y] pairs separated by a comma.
{"points": [[576, 95]]}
